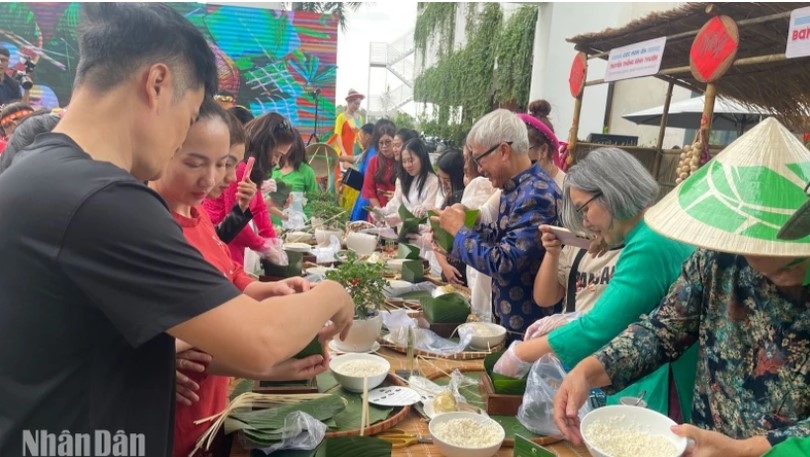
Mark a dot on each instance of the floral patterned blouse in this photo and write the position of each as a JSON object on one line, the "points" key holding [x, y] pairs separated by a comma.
{"points": [[510, 251], [753, 371]]}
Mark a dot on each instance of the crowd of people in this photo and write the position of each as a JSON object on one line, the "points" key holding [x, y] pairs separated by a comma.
{"points": [[127, 305]]}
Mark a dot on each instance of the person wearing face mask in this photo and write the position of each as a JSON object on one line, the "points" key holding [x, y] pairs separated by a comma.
{"points": [[196, 169], [606, 195], [742, 298]]}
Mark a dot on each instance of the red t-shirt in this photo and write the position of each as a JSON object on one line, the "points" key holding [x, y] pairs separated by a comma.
{"points": [[375, 189], [201, 234]]}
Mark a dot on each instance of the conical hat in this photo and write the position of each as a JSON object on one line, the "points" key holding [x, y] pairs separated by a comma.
{"points": [[738, 201], [322, 158]]}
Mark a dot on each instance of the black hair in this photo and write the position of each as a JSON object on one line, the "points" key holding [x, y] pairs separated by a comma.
{"points": [[4, 51], [243, 114], [368, 129], [540, 109], [297, 154], [236, 130], [417, 148], [382, 128], [406, 135], [452, 162], [262, 136], [25, 134], [115, 39]]}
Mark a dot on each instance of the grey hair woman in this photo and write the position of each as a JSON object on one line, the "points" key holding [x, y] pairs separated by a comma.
{"points": [[606, 194]]}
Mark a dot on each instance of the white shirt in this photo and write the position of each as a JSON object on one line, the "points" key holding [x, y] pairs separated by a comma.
{"points": [[478, 194], [424, 200]]}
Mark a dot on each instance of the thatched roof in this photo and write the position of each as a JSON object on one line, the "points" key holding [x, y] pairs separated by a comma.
{"points": [[782, 86]]}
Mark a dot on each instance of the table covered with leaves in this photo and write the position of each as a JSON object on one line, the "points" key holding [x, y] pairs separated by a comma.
{"points": [[414, 423]]}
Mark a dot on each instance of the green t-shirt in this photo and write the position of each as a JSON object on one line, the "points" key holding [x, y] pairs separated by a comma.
{"points": [[791, 447], [301, 180], [647, 266]]}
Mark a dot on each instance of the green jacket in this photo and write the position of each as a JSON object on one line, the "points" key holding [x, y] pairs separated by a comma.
{"points": [[647, 266]]}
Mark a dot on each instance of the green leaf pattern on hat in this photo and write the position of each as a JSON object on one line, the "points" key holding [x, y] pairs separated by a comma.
{"points": [[749, 201]]}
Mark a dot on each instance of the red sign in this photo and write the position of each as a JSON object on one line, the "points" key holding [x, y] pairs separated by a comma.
{"points": [[714, 49], [576, 79]]}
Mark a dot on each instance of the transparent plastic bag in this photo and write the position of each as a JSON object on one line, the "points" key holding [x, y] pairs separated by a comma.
{"points": [[301, 431], [273, 251], [546, 325], [398, 322], [536, 413]]}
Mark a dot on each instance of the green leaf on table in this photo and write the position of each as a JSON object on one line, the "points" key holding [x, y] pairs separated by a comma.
{"points": [[355, 446], [244, 386], [349, 418], [313, 348], [442, 237], [446, 309], [407, 251], [273, 418], [503, 385], [410, 223]]}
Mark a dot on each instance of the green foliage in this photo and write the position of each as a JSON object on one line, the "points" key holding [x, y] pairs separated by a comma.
{"points": [[465, 82], [363, 281], [433, 17], [324, 206], [404, 120]]}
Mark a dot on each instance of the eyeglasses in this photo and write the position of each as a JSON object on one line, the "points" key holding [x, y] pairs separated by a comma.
{"points": [[477, 159], [385, 143], [581, 209]]}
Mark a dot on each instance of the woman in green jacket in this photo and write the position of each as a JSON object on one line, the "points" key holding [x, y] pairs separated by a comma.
{"points": [[606, 195]]}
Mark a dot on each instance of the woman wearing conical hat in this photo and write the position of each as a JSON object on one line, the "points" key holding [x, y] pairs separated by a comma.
{"points": [[743, 297], [345, 139]]}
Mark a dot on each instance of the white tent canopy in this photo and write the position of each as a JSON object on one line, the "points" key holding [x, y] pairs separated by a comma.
{"points": [[686, 114]]}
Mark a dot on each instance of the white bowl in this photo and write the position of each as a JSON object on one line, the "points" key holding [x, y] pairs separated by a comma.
{"points": [[633, 417], [361, 243], [355, 383], [298, 247], [482, 340], [395, 265], [298, 237], [450, 450], [323, 237]]}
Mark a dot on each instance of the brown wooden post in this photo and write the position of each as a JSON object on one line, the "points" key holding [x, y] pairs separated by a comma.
{"points": [[576, 83], [661, 131]]}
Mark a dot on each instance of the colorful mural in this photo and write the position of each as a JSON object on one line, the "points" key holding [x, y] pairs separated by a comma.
{"points": [[269, 60]]}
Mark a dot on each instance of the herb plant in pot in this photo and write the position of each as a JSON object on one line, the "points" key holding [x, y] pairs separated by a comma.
{"points": [[365, 283]]}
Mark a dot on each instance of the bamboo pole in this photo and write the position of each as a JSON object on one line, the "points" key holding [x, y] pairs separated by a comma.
{"points": [[708, 111], [572, 134], [661, 131]]}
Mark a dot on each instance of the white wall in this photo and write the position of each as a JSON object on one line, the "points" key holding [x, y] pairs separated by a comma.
{"points": [[552, 63]]}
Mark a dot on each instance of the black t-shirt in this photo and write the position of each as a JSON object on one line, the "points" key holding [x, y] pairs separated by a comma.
{"points": [[93, 271], [10, 89]]}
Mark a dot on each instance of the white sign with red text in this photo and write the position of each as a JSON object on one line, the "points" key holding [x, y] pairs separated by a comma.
{"points": [[637, 59], [798, 40]]}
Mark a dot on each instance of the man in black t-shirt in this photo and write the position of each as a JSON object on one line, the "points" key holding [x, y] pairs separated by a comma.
{"points": [[96, 277], [10, 89]]}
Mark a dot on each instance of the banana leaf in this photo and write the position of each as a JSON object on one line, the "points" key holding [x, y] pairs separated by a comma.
{"points": [[283, 190], [446, 309], [410, 223], [349, 418], [377, 213], [245, 385], [504, 385], [313, 348], [355, 446], [407, 251], [442, 237], [271, 419]]}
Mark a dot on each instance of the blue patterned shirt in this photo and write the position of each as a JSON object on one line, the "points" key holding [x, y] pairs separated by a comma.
{"points": [[752, 372], [510, 250]]}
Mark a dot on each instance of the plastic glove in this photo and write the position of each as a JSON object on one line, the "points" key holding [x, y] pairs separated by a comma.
{"points": [[269, 186], [393, 220], [511, 365], [546, 325], [273, 252], [418, 211]]}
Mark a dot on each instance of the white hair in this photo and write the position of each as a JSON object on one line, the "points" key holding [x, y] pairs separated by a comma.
{"points": [[500, 126]]}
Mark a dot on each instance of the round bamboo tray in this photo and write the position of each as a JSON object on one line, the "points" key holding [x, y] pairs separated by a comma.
{"points": [[466, 355], [397, 416]]}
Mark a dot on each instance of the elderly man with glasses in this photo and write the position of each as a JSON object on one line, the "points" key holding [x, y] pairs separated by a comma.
{"points": [[508, 250]]}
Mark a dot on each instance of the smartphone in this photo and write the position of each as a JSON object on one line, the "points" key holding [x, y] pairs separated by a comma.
{"points": [[569, 239], [249, 168]]}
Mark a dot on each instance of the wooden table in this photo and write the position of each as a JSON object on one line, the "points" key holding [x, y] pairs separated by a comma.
{"points": [[417, 425]]}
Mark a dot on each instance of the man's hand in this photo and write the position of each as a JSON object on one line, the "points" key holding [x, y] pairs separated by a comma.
{"points": [[452, 274], [451, 219], [245, 191], [185, 388], [299, 369]]}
